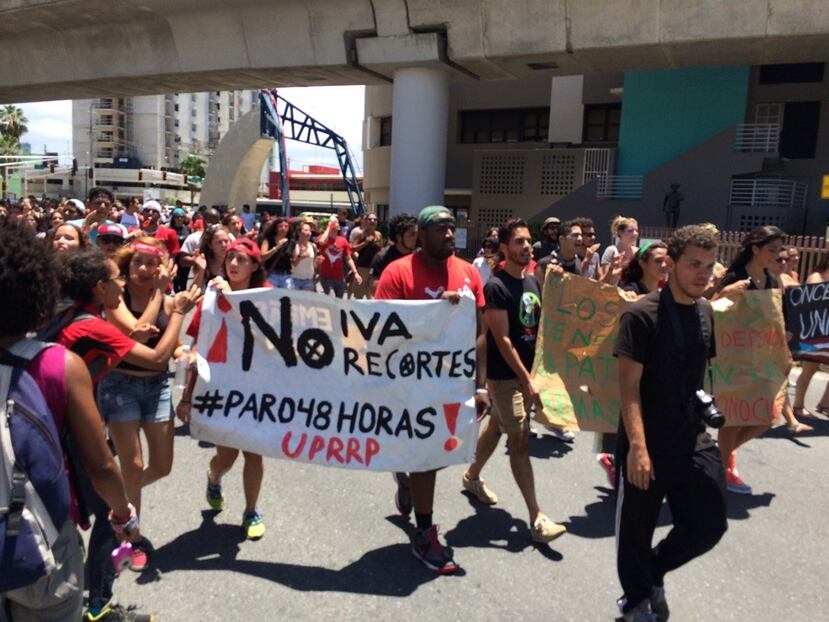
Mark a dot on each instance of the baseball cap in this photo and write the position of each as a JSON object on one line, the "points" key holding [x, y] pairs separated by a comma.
{"points": [[151, 204], [434, 214], [111, 229], [552, 220], [247, 247], [78, 204]]}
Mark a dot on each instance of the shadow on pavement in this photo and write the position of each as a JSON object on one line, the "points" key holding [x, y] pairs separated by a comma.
{"points": [[739, 505], [821, 428], [599, 520], [492, 527], [545, 447], [215, 546]]}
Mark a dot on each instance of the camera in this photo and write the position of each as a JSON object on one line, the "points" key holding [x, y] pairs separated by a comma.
{"points": [[701, 406]]}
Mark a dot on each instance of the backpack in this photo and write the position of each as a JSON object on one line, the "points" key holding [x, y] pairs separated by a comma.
{"points": [[34, 489], [51, 329]]}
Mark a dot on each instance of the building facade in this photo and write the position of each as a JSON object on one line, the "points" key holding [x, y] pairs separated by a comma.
{"points": [[748, 145]]}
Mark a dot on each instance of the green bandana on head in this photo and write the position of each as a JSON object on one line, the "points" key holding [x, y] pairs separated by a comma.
{"points": [[434, 214]]}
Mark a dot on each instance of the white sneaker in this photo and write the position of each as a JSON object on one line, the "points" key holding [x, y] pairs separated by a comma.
{"points": [[561, 434]]}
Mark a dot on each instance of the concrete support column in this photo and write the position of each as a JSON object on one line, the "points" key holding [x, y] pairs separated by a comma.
{"points": [[420, 120]]}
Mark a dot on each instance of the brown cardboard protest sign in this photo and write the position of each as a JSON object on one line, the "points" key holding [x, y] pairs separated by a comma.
{"points": [[577, 374], [749, 371], [575, 369]]}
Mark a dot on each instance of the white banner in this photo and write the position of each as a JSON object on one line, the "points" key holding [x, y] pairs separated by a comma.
{"points": [[372, 385]]}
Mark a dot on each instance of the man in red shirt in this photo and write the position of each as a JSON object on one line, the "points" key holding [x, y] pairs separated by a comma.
{"points": [[433, 272], [151, 210], [335, 252]]}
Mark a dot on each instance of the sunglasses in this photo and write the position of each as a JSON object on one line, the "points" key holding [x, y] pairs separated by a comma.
{"points": [[371, 220], [111, 239]]}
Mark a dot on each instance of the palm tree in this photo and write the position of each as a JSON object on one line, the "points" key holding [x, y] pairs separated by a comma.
{"points": [[192, 166], [13, 122]]}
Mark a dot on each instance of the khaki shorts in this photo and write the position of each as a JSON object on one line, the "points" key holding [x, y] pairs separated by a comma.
{"points": [[510, 405]]}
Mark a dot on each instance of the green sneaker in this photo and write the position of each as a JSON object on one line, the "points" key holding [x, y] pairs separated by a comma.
{"points": [[252, 525], [215, 497]]}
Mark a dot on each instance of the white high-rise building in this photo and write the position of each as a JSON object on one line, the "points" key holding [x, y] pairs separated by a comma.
{"points": [[155, 131]]}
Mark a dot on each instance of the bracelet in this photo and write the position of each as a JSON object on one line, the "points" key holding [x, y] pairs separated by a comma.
{"points": [[481, 392], [124, 527]]}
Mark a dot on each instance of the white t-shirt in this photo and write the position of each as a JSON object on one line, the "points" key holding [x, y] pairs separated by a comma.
{"points": [[304, 269], [483, 267], [191, 243]]}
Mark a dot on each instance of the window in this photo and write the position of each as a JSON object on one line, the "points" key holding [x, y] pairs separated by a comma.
{"points": [[791, 73], [770, 112], [385, 131], [800, 127], [601, 123], [503, 126]]}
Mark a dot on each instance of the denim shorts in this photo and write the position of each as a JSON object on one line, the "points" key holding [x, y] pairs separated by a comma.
{"points": [[283, 281], [305, 284], [123, 398]]}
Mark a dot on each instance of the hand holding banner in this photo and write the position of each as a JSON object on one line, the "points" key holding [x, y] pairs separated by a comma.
{"points": [[358, 384]]}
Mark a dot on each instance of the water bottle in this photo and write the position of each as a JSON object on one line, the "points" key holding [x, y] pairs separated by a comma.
{"points": [[182, 363]]}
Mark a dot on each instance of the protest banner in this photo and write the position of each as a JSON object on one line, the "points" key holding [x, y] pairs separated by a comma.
{"points": [[750, 370], [577, 374], [574, 368], [370, 385], [807, 320]]}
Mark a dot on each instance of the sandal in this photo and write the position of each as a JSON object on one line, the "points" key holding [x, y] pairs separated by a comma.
{"points": [[823, 410], [799, 428], [802, 411]]}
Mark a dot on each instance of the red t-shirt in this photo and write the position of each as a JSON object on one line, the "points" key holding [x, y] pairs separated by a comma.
{"points": [[333, 254], [97, 342], [163, 234], [411, 278]]}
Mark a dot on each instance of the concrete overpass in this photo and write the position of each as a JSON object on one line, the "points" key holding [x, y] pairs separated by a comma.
{"points": [[54, 49]]}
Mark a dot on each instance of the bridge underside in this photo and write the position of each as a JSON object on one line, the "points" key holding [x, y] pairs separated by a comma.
{"points": [[52, 49]]}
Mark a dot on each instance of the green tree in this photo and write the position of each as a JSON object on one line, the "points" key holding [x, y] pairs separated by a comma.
{"points": [[192, 166], [12, 123]]}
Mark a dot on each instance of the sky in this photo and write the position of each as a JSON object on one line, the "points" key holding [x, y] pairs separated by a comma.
{"points": [[338, 107]]}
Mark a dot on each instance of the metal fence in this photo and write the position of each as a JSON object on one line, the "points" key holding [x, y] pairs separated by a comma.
{"points": [[619, 187], [757, 138], [811, 248]]}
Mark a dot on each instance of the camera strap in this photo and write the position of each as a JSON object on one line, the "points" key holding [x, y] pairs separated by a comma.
{"points": [[667, 299]]}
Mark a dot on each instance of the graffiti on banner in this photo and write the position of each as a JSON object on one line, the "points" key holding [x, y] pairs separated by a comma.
{"points": [[577, 374], [807, 320], [379, 385]]}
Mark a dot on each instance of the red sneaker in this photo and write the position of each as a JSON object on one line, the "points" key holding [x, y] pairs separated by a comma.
{"points": [[608, 464]]}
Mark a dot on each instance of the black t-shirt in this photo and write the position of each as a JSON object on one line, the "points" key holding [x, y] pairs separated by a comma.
{"points": [[383, 259], [673, 369], [740, 274], [637, 288], [279, 262], [573, 266], [542, 248], [367, 254], [521, 299]]}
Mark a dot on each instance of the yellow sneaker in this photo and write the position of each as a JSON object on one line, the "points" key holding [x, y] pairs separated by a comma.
{"points": [[545, 530], [478, 489], [252, 525]]}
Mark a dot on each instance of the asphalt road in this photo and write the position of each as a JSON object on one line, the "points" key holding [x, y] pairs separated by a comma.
{"points": [[335, 548]]}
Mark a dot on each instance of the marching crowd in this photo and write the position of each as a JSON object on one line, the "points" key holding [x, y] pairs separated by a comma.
{"points": [[112, 284]]}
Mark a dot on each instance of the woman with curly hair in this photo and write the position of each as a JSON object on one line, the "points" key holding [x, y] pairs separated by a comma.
{"points": [[29, 285], [647, 268], [136, 398]]}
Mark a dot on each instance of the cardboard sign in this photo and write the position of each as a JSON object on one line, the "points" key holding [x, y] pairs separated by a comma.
{"points": [[807, 320], [752, 363], [368, 385], [575, 369], [577, 374]]}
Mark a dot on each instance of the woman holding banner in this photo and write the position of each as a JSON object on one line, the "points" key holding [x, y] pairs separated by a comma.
{"points": [[750, 270], [781, 273], [820, 275], [242, 270]]}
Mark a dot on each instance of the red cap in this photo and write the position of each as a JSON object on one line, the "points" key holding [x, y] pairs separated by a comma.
{"points": [[247, 247], [111, 229]]}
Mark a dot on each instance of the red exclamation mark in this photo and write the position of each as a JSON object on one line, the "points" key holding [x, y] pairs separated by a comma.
{"points": [[451, 411]]}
